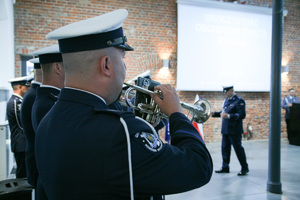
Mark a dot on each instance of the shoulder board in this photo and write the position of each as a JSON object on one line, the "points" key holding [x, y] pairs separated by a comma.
{"points": [[240, 98], [53, 97]]}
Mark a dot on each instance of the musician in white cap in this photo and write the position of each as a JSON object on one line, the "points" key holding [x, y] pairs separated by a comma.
{"points": [[18, 140], [53, 74], [26, 121], [53, 80], [87, 151]]}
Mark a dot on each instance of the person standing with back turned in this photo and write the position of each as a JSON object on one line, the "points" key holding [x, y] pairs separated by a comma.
{"points": [[232, 115], [87, 151], [18, 140], [46, 95], [53, 80], [26, 122]]}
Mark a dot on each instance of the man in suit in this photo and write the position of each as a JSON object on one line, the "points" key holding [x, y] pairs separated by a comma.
{"points": [[18, 139], [232, 116], [26, 122], [287, 102], [87, 151]]}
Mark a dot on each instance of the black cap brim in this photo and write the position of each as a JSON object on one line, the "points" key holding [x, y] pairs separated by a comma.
{"points": [[226, 89]]}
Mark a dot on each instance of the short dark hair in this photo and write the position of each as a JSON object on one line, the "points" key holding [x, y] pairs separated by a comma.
{"points": [[291, 89]]}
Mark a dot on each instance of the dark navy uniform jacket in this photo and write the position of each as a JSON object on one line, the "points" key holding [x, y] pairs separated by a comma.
{"points": [[82, 152], [46, 97], [285, 104], [115, 106], [26, 121], [18, 139], [236, 108]]}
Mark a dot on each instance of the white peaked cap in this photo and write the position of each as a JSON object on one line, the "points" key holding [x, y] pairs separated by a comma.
{"points": [[24, 80], [47, 50], [48, 54], [100, 24], [95, 33], [34, 60]]}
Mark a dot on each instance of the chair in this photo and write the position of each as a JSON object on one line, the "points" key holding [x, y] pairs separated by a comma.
{"points": [[15, 189]]}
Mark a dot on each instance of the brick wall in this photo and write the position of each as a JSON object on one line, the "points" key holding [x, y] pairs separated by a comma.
{"points": [[151, 29]]}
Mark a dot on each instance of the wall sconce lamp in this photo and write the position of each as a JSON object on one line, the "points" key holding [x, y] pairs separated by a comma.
{"points": [[285, 69], [165, 63]]}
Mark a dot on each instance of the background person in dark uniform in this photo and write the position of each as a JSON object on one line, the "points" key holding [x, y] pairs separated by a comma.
{"points": [[53, 80], [18, 139], [232, 116], [87, 151], [26, 122], [46, 96], [287, 102]]}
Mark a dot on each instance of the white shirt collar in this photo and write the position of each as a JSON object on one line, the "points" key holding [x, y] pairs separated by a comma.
{"points": [[36, 82], [50, 86], [87, 92], [17, 95]]}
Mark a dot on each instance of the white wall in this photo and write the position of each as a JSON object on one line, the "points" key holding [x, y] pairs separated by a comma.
{"points": [[6, 52], [6, 73], [7, 42]]}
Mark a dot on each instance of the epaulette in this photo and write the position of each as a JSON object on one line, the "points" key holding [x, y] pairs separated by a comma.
{"points": [[53, 97], [239, 98]]}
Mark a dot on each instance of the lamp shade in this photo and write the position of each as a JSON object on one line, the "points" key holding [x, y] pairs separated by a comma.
{"points": [[166, 63], [285, 69]]}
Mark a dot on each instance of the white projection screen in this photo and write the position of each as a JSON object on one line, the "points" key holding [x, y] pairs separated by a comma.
{"points": [[221, 44]]}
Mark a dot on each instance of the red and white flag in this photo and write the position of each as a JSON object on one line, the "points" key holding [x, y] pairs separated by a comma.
{"points": [[199, 127]]}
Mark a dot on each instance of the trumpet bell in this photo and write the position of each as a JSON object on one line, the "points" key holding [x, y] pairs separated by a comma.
{"points": [[202, 112]]}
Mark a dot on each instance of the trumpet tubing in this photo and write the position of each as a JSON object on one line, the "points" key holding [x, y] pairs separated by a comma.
{"points": [[200, 111]]}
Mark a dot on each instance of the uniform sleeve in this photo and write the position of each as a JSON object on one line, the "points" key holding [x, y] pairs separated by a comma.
{"points": [[184, 165], [240, 111], [161, 124], [17, 108], [39, 110], [284, 103], [217, 114], [115, 106]]}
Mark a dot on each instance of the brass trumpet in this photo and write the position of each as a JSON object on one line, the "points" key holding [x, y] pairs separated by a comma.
{"points": [[199, 112]]}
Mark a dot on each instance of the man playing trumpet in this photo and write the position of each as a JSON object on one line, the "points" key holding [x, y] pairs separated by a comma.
{"points": [[87, 151]]}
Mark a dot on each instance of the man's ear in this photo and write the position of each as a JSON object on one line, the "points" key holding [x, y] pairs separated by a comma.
{"points": [[105, 66], [57, 67]]}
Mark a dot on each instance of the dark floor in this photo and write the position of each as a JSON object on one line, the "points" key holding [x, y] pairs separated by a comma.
{"points": [[254, 185]]}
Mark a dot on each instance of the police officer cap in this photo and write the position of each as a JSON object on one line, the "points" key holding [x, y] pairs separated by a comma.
{"points": [[36, 63], [291, 89], [226, 88], [49, 54], [24, 80], [95, 33]]}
